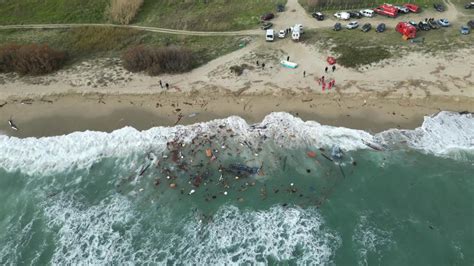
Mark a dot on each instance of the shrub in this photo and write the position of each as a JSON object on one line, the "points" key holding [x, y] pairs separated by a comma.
{"points": [[30, 59], [156, 61], [123, 11], [7, 54]]}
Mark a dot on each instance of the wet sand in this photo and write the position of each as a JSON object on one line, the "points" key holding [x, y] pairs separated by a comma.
{"points": [[64, 114]]}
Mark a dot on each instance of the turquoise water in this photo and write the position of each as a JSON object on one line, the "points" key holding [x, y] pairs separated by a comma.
{"points": [[400, 206]]}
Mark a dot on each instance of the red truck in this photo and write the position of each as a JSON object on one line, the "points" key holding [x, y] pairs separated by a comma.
{"points": [[387, 10], [413, 8], [406, 29]]}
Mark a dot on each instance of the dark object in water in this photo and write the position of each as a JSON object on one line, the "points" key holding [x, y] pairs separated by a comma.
{"points": [[464, 113], [327, 157], [197, 181], [144, 170], [336, 153], [243, 169], [373, 146]]}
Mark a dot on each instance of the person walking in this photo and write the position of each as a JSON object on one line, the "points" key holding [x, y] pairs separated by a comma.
{"points": [[326, 70], [333, 68], [161, 84]]}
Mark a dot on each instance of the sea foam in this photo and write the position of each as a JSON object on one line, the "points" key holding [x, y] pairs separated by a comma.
{"points": [[231, 237], [440, 135]]}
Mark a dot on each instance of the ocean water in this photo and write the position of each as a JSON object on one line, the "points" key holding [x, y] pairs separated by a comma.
{"points": [[225, 192]]}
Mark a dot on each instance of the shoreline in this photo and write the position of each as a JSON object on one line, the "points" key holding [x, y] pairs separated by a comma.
{"points": [[67, 113]]}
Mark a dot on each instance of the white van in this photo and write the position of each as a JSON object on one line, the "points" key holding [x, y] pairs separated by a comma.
{"points": [[367, 13], [270, 35]]}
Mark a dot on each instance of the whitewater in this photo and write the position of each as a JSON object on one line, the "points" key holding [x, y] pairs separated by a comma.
{"points": [[442, 134]]}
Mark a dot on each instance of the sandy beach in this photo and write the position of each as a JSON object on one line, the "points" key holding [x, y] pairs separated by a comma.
{"points": [[63, 114]]}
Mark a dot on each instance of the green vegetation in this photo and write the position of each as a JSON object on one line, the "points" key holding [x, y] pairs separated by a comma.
{"points": [[355, 56], [52, 11], [95, 42], [211, 15]]}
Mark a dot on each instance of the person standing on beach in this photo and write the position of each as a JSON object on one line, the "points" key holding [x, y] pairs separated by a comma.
{"points": [[304, 74], [167, 86], [288, 58], [333, 68], [161, 84], [257, 63], [326, 70], [263, 65]]}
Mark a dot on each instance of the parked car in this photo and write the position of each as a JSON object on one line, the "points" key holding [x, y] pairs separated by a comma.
{"points": [[267, 16], [318, 16], [470, 23], [444, 22], [433, 24], [280, 8], [367, 13], [469, 5], [414, 24], [282, 34], [402, 9], [439, 7], [352, 25], [342, 15], [423, 25], [366, 27], [381, 27], [412, 7], [266, 25], [354, 14], [465, 30], [337, 27]]}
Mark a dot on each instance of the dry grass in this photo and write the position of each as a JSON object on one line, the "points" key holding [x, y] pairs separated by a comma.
{"points": [[123, 11]]}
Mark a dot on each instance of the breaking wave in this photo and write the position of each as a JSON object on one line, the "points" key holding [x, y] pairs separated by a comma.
{"points": [[93, 236], [443, 134]]}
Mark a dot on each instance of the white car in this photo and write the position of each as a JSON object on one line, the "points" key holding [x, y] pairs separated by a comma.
{"points": [[367, 13], [343, 15], [402, 9], [352, 25], [282, 34], [443, 22]]}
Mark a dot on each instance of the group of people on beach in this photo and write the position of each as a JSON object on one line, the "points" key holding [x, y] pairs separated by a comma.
{"points": [[328, 85]]}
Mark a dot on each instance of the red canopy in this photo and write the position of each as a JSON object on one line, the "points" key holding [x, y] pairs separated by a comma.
{"points": [[331, 60]]}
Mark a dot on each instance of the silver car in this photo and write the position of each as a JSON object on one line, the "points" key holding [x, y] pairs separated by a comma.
{"points": [[352, 25]]}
